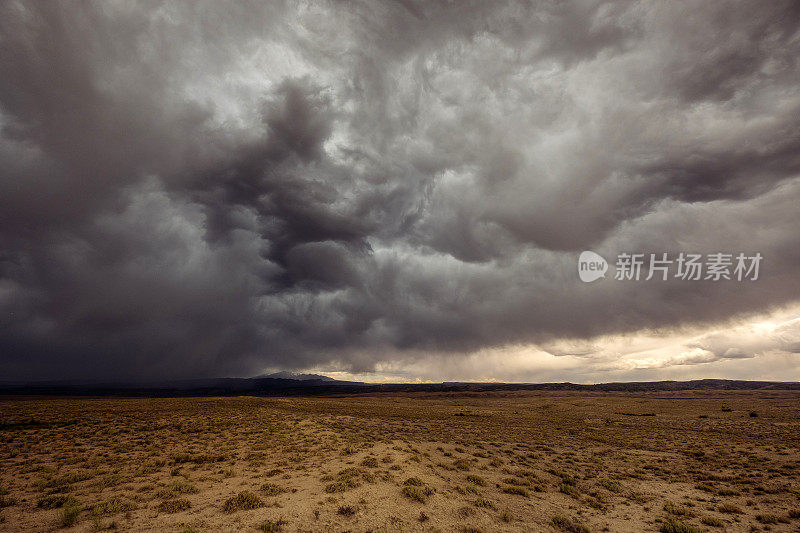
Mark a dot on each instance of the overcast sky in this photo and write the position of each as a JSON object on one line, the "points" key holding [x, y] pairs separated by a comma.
{"points": [[396, 190]]}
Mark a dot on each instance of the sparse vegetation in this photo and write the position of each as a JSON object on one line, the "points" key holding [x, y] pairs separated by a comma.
{"points": [[767, 518], [272, 526], [461, 464], [673, 525], [519, 491], [712, 521], [346, 510], [417, 493], [271, 489], [7, 501], [569, 525], [476, 480], [70, 510], [176, 488], [52, 501], [370, 462], [347, 479], [677, 510], [129, 463], [483, 502], [729, 508], [113, 506], [244, 501], [175, 505], [611, 485]]}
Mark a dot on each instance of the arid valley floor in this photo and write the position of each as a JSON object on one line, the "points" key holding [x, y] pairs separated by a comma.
{"points": [[524, 461]]}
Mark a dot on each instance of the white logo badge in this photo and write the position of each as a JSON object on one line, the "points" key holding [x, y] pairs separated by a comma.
{"points": [[591, 266]]}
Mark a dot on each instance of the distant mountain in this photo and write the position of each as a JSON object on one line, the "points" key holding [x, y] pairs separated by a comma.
{"points": [[296, 376], [278, 384]]}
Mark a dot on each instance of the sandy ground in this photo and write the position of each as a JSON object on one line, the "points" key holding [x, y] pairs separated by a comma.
{"points": [[682, 462]]}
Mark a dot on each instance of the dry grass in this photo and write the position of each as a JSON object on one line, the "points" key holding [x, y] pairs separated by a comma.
{"points": [[568, 524], [416, 462], [271, 489], [70, 512], [272, 526], [244, 501], [673, 525], [176, 505]]}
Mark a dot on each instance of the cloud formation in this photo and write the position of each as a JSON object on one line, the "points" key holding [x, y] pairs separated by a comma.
{"points": [[215, 189]]}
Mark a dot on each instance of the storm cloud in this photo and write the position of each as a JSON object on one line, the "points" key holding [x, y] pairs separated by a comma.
{"points": [[215, 188]]}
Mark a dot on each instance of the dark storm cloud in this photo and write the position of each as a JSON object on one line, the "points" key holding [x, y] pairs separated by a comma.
{"points": [[214, 189]]}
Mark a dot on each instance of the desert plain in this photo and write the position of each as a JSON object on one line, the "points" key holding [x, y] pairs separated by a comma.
{"points": [[685, 461]]}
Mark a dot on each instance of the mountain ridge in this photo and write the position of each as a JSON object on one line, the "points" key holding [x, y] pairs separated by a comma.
{"points": [[277, 386]]}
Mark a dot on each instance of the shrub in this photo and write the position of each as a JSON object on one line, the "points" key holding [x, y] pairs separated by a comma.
{"points": [[174, 506], [113, 506], [346, 510], [677, 510], [566, 524], [728, 508], [342, 485], [272, 527], [7, 501], [70, 511], [462, 464], [483, 502], [673, 525], [519, 491], [370, 462], [185, 457], [712, 521], [347, 479], [767, 518], [271, 489], [472, 489], [611, 485], [569, 489], [415, 481], [62, 483], [53, 501], [476, 480], [705, 487], [244, 501], [416, 493], [177, 487]]}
